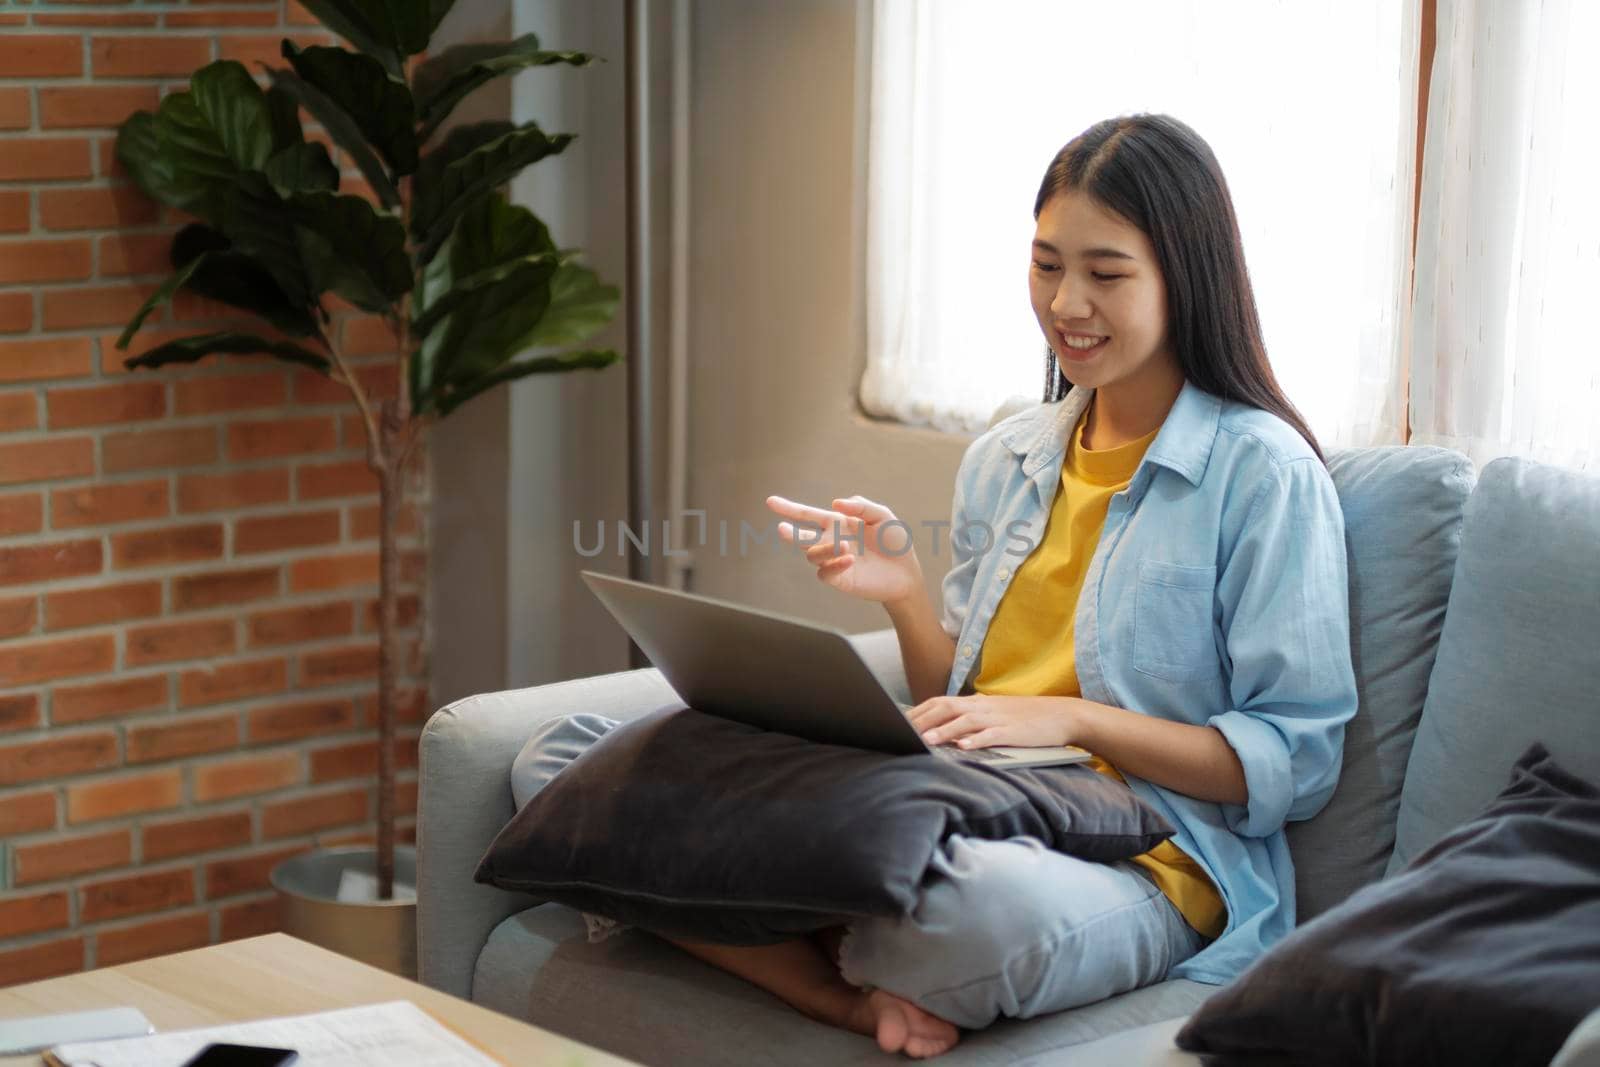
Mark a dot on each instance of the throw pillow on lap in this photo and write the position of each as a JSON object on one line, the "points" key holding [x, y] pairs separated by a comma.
{"points": [[1484, 950], [699, 827]]}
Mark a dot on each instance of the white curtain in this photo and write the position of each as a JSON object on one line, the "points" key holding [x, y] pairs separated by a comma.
{"points": [[1310, 106], [1506, 357]]}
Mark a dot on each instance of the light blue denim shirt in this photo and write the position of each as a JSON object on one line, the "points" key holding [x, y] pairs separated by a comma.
{"points": [[1217, 596]]}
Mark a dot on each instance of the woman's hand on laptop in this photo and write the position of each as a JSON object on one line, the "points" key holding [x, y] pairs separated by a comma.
{"points": [[981, 720], [850, 547]]}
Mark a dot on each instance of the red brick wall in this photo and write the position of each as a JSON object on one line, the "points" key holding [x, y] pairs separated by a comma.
{"points": [[188, 558]]}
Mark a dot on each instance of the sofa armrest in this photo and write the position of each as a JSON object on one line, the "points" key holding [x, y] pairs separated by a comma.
{"points": [[464, 796]]}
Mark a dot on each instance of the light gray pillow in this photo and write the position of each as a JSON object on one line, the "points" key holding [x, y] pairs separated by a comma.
{"points": [[1519, 659], [1402, 514]]}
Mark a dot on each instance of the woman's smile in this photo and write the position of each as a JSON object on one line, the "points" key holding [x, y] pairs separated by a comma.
{"points": [[1080, 346]]}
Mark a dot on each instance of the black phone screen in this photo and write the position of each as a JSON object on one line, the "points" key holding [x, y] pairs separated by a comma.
{"points": [[242, 1056]]}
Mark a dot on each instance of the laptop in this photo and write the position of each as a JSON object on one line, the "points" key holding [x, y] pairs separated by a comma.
{"points": [[780, 674]]}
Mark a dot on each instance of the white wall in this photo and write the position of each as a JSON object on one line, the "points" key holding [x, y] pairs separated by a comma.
{"points": [[775, 338]]}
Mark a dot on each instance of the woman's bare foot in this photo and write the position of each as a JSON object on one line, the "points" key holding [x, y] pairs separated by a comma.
{"points": [[901, 1026]]}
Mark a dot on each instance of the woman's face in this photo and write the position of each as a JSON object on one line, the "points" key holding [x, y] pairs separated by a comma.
{"points": [[1099, 295]]}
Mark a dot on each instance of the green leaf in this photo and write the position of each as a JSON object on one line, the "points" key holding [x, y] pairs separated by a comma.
{"points": [[349, 247], [285, 113], [342, 128], [159, 297], [387, 30], [260, 224], [445, 79], [518, 276], [193, 349], [234, 106], [459, 178], [349, 20], [580, 307], [235, 279], [139, 150], [199, 167], [589, 359], [379, 105], [302, 168]]}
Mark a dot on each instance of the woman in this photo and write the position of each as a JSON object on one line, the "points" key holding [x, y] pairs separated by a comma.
{"points": [[1167, 590]]}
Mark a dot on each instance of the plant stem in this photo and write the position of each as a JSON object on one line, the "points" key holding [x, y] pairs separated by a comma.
{"points": [[391, 494]]}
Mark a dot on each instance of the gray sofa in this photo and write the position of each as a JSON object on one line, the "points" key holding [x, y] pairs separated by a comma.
{"points": [[1476, 630]]}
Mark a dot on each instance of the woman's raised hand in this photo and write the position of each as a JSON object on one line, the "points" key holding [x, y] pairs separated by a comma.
{"points": [[853, 552]]}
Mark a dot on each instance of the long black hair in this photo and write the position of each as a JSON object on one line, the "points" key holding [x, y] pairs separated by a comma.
{"points": [[1158, 174]]}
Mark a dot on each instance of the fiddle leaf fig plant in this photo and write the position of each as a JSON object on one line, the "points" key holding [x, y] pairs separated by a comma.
{"points": [[472, 286]]}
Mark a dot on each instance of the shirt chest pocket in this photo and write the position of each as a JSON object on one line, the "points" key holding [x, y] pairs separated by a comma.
{"points": [[1172, 627]]}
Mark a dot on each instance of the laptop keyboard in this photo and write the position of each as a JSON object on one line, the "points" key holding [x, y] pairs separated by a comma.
{"points": [[980, 755]]}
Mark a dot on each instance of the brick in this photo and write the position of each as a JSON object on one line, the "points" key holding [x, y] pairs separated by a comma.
{"points": [[20, 711], [367, 335], [21, 513], [135, 894], [26, 262], [25, 813], [305, 815], [406, 611], [109, 503], [250, 918], [106, 404], [351, 478], [33, 914], [233, 681], [109, 166], [238, 392], [167, 642], [193, 592], [58, 457], [358, 759], [182, 19], [186, 837], [15, 112], [94, 19], [113, 798], [355, 663], [103, 700], [54, 757], [28, 564], [14, 211], [156, 937], [181, 737], [102, 604], [18, 411], [45, 358], [305, 623], [129, 254], [380, 382], [96, 209], [44, 661], [68, 857], [175, 544], [280, 437], [277, 533], [236, 489], [245, 874], [246, 777], [307, 718], [19, 615], [295, 14], [16, 312], [50, 959], [104, 305], [333, 572], [41, 55], [34, 159], [93, 105], [148, 57]]}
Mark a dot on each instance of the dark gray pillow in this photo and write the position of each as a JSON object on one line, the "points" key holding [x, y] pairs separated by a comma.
{"points": [[1485, 950], [691, 825]]}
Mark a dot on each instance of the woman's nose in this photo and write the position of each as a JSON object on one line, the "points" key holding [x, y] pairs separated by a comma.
{"points": [[1071, 302]]}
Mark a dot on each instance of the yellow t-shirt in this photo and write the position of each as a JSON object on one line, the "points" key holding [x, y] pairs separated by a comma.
{"points": [[1029, 650]]}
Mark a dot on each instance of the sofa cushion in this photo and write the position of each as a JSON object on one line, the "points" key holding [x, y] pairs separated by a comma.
{"points": [[1519, 659], [1485, 950], [1402, 514], [638, 997], [698, 826]]}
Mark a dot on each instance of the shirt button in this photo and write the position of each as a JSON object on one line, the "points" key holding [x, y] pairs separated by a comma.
{"points": [[1004, 574], [966, 650]]}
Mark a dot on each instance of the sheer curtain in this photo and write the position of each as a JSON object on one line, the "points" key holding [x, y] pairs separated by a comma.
{"points": [[1309, 105], [1506, 359]]}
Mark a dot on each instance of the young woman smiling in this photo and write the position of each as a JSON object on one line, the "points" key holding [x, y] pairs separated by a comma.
{"points": [[1181, 612]]}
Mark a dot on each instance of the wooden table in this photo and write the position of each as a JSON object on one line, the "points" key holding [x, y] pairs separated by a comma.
{"points": [[276, 975]]}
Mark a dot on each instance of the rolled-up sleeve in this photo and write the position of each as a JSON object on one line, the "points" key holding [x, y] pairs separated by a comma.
{"points": [[1284, 598]]}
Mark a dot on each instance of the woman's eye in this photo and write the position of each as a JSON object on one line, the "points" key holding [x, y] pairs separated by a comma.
{"points": [[1046, 267], [1099, 277]]}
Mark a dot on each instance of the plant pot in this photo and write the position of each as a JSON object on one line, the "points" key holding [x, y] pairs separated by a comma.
{"points": [[380, 932]]}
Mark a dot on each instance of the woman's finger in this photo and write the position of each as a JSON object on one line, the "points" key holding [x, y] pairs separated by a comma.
{"points": [[870, 510], [959, 725], [827, 550], [835, 566], [991, 735], [804, 513], [932, 712]]}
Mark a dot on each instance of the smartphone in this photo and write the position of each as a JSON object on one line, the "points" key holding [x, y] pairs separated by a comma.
{"points": [[242, 1056], [39, 1032]]}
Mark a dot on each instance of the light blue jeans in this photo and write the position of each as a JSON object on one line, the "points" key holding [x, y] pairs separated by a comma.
{"points": [[1001, 928]]}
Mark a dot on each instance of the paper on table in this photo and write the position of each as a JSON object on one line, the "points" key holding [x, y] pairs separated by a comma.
{"points": [[376, 1035]]}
